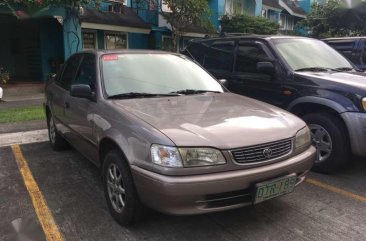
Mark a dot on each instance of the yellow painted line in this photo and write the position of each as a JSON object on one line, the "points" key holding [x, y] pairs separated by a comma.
{"points": [[336, 190], [44, 215]]}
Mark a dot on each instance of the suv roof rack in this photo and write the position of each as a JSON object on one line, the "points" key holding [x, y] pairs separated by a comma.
{"points": [[224, 34]]}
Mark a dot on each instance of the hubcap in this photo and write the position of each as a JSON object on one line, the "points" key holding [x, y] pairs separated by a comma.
{"points": [[116, 190], [52, 130], [322, 141]]}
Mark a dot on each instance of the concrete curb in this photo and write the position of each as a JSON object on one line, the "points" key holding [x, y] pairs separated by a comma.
{"points": [[24, 137]]}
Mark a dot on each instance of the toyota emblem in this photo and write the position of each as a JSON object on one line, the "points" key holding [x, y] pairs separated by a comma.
{"points": [[267, 153]]}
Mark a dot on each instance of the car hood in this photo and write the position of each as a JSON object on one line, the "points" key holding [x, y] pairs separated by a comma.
{"points": [[354, 80], [223, 121]]}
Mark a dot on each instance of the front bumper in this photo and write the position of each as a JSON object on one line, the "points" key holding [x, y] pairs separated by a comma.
{"points": [[356, 125], [185, 195]]}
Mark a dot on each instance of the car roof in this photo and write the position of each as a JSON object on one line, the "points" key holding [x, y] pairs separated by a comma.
{"points": [[126, 51], [344, 38], [247, 36]]}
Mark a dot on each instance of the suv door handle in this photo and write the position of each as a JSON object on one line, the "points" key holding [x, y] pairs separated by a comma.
{"points": [[67, 105]]}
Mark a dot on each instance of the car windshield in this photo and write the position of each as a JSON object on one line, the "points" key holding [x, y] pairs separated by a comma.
{"points": [[149, 75], [310, 54]]}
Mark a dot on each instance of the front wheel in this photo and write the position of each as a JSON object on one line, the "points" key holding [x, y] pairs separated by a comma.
{"points": [[119, 189], [329, 136]]}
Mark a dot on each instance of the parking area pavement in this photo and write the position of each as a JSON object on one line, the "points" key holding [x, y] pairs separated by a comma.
{"points": [[327, 207]]}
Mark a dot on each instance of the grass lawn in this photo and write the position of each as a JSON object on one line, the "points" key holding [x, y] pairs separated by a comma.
{"points": [[22, 114]]}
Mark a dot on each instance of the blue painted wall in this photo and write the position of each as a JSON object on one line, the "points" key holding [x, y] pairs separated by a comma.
{"points": [[51, 42], [306, 5], [138, 41]]}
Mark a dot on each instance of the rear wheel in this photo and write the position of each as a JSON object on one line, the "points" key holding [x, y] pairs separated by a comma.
{"points": [[119, 189], [57, 141], [329, 136]]}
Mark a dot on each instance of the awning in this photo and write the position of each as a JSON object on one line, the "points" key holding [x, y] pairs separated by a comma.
{"points": [[292, 8], [128, 21]]}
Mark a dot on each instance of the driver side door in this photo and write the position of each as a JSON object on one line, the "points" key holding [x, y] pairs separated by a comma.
{"points": [[80, 113], [249, 81]]}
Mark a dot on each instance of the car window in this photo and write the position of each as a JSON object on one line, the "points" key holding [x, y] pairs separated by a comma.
{"points": [[364, 54], [344, 47], [87, 72], [219, 56], [70, 71], [197, 51], [247, 58]]}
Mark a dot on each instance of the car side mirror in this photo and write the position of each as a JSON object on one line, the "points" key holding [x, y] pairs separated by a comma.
{"points": [[265, 68], [223, 82], [51, 77], [82, 91]]}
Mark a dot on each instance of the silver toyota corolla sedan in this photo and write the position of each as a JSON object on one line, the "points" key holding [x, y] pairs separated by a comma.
{"points": [[169, 136]]}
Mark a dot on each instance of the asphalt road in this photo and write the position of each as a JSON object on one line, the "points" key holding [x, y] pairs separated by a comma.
{"points": [[72, 189]]}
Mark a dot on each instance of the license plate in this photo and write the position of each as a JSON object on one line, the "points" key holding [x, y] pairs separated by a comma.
{"points": [[274, 188]]}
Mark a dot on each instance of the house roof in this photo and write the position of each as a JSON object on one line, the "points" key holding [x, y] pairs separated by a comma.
{"points": [[292, 8], [272, 4], [127, 19]]}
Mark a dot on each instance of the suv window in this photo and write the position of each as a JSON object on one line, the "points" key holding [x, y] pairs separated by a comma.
{"points": [[197, 51], [86, 74], [69, 72], [247, 58], [219, 56], [344, 47]]}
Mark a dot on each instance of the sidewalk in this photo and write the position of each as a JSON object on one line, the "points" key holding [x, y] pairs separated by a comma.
{"points": [[22, 95], [15, 92]]}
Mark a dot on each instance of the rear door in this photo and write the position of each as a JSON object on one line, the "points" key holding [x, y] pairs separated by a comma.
{"points": [[60, 92], [247, 80]]}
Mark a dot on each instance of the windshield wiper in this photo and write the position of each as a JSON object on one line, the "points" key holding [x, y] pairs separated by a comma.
{"points": [[193, 92], [317, 69], [314, 69], [132, 95], [344, 69]]}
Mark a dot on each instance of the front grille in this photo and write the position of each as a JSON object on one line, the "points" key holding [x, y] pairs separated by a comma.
{"points": [[264, 152]]}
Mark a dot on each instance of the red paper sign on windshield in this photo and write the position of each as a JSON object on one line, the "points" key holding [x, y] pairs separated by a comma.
{"points": [[110, 57]]}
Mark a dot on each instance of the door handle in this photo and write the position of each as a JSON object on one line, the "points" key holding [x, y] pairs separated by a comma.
{"points": [[67, 105]]}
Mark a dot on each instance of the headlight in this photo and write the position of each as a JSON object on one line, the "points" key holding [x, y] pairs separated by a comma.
{"points": [[195, 157], [188, 157], [302, 137], [364, 103], [166, 156]]}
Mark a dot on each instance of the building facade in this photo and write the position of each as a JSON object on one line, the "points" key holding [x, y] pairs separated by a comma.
{"points": [[34, 46]]}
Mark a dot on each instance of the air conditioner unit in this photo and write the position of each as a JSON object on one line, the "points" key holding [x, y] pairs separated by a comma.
{"points": [[116, 8], [124, 2]]}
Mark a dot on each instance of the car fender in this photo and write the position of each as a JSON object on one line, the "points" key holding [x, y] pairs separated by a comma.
{"points": [[338, 103]]}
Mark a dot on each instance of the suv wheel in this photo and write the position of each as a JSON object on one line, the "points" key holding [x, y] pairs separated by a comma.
{"points": [[119, 189], [57, 141], [329, 136]]}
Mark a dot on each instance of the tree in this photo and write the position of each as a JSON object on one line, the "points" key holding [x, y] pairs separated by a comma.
{"points": [[183, 15], [334, 19], [248, 24]]}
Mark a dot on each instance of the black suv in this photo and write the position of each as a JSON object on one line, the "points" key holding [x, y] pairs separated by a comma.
{"points": [[302, 75], [353, 48]]}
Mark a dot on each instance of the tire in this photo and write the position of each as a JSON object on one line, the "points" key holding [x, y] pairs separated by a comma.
{"points": [[127, 211], [57, 142], [330, 137]]}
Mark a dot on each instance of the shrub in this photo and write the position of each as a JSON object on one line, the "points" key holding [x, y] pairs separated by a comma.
{"points": [[4, 76]]}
